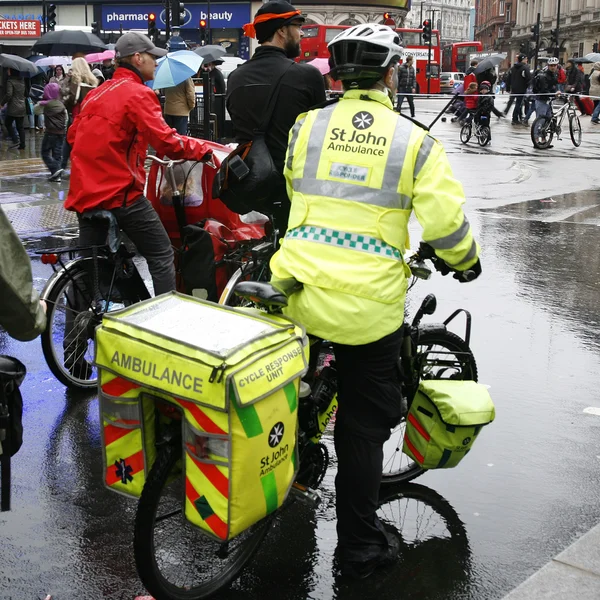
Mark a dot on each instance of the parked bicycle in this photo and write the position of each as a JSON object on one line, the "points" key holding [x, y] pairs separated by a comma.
{"points": [[174, 559], [544, 128]]}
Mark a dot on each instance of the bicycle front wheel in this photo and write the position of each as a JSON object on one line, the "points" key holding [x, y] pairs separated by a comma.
{"points": [[72, 316], [441, 355], [541, 132], [485, 135], [575, 130], [174, 559], [465, 133]]}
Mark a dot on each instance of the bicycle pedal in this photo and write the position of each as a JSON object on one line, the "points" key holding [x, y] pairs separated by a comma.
{"points": [[305, 494]]}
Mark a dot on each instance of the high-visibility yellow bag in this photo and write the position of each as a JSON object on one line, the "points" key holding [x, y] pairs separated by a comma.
{"points": [[235, 377]]}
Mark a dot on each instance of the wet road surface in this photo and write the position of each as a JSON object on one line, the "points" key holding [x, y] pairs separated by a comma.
{"points": [[528, 488]]}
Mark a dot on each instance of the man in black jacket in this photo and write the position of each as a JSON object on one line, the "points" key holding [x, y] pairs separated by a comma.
{"points": [[520, 77], [277, 26]]}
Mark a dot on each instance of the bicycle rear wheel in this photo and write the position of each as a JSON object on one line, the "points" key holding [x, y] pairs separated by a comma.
{"points": [[575, 130], [72, 316], [541, 132], [465, 133], [174, 559], [485, 135], [441, 355]]}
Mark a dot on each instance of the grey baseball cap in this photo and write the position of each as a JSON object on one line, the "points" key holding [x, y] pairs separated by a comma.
{"points": [[132, 42]]}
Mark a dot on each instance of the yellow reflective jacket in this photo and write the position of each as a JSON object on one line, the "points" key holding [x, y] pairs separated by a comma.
{"points": [[354, 172]]}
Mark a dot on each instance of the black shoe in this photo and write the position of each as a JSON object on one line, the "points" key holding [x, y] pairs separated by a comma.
{"points": [[56, 175], [386, 558], [14, 146], [81, 370]]}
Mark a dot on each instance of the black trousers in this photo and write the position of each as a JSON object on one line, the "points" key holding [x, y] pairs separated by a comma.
{"points": [[409, 98], [18, 121], [369, 407]]}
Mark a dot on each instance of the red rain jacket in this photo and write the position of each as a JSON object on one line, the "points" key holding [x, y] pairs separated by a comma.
{"points": [[110, 138]]}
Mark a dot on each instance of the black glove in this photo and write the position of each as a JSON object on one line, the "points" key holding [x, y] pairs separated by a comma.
{"points": [[469, 274]]}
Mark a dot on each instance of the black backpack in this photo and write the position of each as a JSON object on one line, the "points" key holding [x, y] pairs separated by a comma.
{"points": [[12, 373]]}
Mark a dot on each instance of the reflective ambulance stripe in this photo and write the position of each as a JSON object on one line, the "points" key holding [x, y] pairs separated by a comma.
{"points": [[316, 139], [212, 473], [218, 526], [341, 239], [203, 420], [418, 427], [415, 452], [470, 255], [292, 146], [348, 191], [449, 241], [269, 485], [423, 154], [291, 396], [248, 417], [112, 433], [117, 472], [396, 156], [118, 386]]}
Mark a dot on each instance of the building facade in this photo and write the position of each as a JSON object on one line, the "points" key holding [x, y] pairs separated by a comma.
{"points": [[505, 26], [450, 17], [334, 13]]}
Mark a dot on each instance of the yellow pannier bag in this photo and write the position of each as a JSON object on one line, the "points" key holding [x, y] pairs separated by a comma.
{"points": [[234, 375]]}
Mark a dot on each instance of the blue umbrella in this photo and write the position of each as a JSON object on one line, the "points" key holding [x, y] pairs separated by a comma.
{"points": [[175, 68]]}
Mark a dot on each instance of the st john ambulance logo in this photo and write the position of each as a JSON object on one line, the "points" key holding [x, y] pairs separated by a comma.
{"points": [[362, 120], [276, 434]]}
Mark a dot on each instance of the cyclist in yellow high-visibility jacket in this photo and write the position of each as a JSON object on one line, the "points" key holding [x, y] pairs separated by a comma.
{"points": [[355, 170]]}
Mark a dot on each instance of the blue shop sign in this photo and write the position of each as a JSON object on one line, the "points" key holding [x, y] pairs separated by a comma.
{"points": [[232, 16]]}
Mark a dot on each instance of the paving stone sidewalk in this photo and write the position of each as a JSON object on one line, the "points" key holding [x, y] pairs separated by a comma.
{"points": [[573, 574]]}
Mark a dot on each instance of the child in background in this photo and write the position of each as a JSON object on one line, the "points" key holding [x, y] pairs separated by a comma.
{"points": [[485, 106], [55, 118], [470, 99]]}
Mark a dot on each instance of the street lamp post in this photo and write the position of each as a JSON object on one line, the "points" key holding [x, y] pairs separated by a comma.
{"points": [[557, 49]]}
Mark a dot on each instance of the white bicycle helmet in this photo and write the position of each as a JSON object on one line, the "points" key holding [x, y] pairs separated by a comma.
{"points": [[553, 60], [363, 52]]}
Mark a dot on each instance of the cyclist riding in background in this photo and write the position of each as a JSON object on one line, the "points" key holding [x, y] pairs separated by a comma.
{"points": [[546, 82], [110, 139], [354, 171]]}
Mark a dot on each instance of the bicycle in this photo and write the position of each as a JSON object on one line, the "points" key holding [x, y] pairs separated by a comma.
{"points": [[544, 128], [481, 131], [82, 289], [174, 559]]}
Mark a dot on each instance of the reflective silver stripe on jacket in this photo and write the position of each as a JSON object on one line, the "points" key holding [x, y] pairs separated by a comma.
{"points": [[295, 133], [470, 255], [387, 196], [423, 154], [449, 241], [341, 239]]}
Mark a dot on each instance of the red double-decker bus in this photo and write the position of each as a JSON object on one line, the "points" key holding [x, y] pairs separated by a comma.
{"points": [[455, 57], [316, 37]]}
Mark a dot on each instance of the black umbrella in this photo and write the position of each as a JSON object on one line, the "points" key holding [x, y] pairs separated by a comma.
{"points": [[211, 53], [490, 62], [582, 60], [18, 63], [62, 43]]}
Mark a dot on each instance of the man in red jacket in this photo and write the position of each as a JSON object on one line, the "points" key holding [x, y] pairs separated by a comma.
{"points": [[110, 139]]}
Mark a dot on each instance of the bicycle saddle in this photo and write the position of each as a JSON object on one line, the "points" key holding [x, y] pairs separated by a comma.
{"points": [[113, 238], [267, 293]]}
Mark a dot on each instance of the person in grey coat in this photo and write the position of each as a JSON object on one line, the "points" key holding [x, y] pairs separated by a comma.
{"points": [[14, 99]]}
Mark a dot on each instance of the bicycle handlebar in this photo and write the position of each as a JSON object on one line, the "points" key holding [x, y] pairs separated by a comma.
{"points": [[170, 163], [426, 252]]}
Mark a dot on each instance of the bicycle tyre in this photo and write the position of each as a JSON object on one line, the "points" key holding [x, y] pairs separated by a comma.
{"points": [[56, 300], [411, 470], [485, 135], [465, 133], [575, 130], [144, 539], [542, 125]]}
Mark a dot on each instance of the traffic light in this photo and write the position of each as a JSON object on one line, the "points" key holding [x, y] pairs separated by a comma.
{"points": [[388, 20], [426, 31], [51, 17], [152, 29], [554, 37], [535, 30], [202, 30], [178, 12], [595, 47], [96, 28]]}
